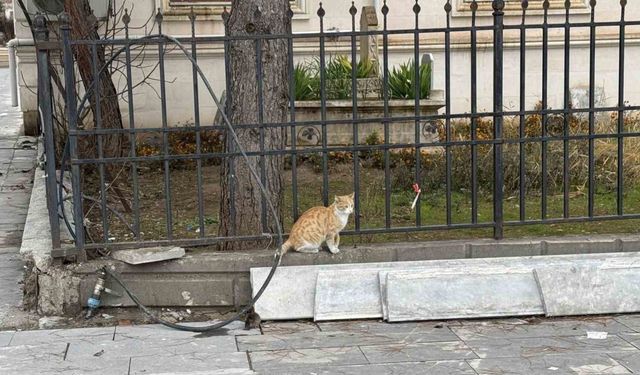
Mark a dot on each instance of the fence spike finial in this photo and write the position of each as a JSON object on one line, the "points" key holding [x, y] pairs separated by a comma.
{"points": [[498, 5], [545, 5], [623, 3], [592, 3], [474, 6], [385, 8], [126, 18], [192, 15], [525, 4], [40, 27], [353, 10], [321, 11], [447, 7], [159, 17], [567, 4]]}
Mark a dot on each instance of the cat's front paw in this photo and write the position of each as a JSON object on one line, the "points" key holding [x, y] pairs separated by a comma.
{"points": [[334, 250]]}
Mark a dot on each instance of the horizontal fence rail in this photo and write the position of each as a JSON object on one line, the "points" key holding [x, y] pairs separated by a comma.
{"points": [[512, 166]]}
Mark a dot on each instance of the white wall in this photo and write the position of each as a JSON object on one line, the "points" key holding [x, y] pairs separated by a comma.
{"points": [[178, 70]]}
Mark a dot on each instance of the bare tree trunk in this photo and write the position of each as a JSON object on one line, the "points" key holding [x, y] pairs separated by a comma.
{"points": [[84, 27], [242, 202]]}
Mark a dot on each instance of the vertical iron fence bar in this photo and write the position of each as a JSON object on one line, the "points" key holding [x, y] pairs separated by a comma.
{"points": [[263, 177], [498, 14], [447, 121], [385, 99], [323, 111], [292, 119], [416, 64], [521, 132], [165, 129], [229, 144], [592, 74], [132, 136], [474, 111], [72, 118], [196, 122], [354, 113], [46, 114], [101, 167], [567, 103], [545, 65], [620, 128]]}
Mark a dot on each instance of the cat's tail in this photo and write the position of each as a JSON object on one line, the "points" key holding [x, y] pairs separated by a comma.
{"points": [[284, 249]]}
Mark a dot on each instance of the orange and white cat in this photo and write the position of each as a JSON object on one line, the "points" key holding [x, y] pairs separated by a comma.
{"points": [[320, 225]]}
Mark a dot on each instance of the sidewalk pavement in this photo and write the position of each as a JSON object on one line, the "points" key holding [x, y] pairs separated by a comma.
{"points": [[511, 346], [17, 163]]}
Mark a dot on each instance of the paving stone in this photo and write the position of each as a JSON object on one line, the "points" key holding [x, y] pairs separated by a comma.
{"points": [[338, 339], [569, 363], [630, 359], [335, 290], [379, 327], [630, 320], [5, 338], [413, 368], [580, 290], [288, 328], [158, 347], [16, 356], [518, 328], [158, 331], [428, 296], [269, 362], [527, 347], [188, 362], [417, 352], [85, 335]]}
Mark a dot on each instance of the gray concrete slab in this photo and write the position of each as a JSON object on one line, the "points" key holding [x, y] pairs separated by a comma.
{"points": [[42, 337], [284, 300], [154, 331], [15, 357], [391, 353], [413, 368], [528, 347], [269, 362], [431, 296], [289, 328], [517, 328], [335, 291], [148, 255], [583, 289], [568, 363]]}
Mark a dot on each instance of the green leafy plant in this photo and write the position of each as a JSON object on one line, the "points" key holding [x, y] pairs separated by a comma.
{"points": [[402, 81], [307, 83]]}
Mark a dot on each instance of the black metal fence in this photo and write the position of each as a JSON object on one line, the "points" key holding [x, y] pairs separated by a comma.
{"points": [[492, 142]]}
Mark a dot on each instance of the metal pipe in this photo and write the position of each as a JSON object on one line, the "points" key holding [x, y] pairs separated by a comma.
{"points": [[13, 68]]}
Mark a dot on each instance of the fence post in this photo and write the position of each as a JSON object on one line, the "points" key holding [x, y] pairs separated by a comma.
{"points": [[46, 116], [71, 106], [498, 184]]}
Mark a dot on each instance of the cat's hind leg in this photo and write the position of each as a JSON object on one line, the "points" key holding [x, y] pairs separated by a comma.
{"points": [[308, 248]]}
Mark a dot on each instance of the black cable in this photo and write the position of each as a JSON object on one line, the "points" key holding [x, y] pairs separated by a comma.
{"points": [[277, 256]]}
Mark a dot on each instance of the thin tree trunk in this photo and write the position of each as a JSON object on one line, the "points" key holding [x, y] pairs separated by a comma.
{"points": [[242, 202], [84, 27]]}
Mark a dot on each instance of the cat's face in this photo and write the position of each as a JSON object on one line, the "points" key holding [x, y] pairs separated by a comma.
{"points": [[344, 203]]}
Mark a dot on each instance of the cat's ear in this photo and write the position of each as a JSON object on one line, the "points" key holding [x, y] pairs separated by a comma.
{"points": [[335, 198], [353, 195]]}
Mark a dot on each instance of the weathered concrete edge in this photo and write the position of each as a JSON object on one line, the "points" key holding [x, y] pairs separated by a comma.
{"points": [[36, 236]]}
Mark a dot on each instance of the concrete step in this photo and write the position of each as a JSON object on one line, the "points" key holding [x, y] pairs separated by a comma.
{"points": [[442, 289]]}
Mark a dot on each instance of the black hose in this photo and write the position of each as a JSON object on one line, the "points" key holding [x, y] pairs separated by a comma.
{"points": [[277, 256]]}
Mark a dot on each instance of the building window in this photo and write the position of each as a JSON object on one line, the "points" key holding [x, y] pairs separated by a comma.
{"points": [[463, 6], [214, 7]]}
